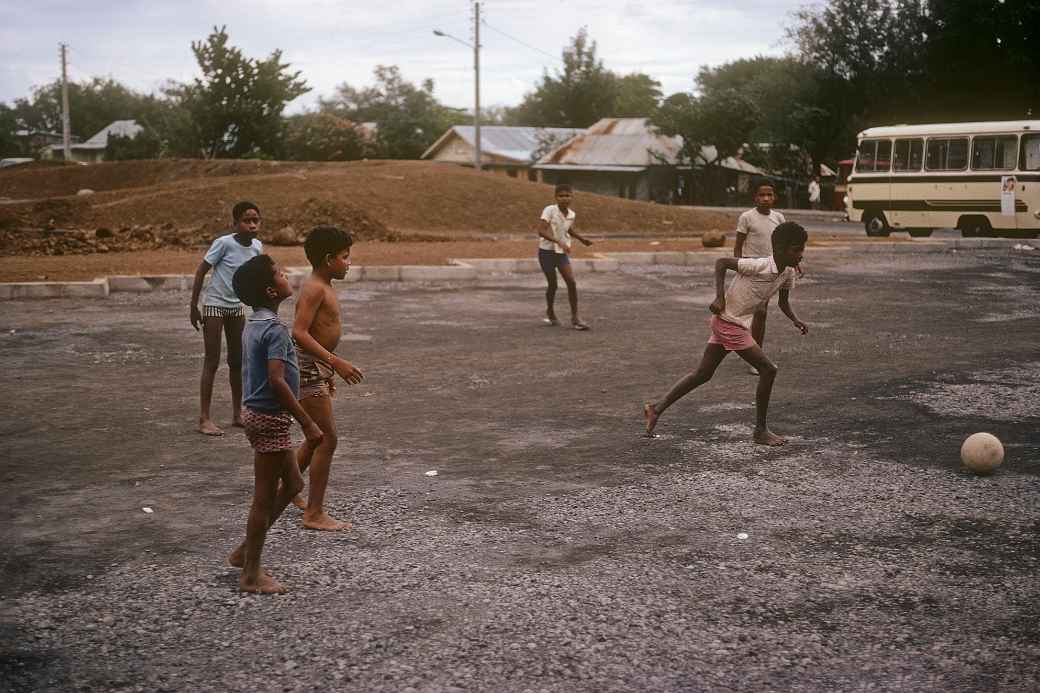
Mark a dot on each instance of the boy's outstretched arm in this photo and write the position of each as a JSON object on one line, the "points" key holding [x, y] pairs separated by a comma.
{"points": [[581, 238], [276, 377], [200, 276], [721, 265], [785, 306], [311, 297]]}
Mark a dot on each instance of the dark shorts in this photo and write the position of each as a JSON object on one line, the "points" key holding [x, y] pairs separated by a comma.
{"points": [[550, 260]]}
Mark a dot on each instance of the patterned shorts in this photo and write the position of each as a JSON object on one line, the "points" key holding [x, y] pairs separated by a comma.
{"points": [[221, 312], [268, 432]]}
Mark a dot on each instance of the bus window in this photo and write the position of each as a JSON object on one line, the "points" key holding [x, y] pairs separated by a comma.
{"points": [[994, 153], [1030, 153], [883, 162], [947, 154], [908, 154], [866, 155]]}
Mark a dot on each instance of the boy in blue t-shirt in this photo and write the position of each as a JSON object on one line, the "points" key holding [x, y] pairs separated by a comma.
{"points": [[271, 380], [222, 311]]}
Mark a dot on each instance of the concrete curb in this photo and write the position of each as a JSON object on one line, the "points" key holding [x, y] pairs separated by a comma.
{"points": [[468, 269]]}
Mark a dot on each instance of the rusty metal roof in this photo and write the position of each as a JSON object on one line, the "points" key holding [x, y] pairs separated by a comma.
{"points": [[510, 142], [628, 142]]}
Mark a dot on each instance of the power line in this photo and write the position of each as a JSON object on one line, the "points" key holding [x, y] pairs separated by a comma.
{"points": [[525, 45]]}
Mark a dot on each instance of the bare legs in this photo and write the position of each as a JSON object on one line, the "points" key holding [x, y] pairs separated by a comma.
{"points": [[567, 272], [268, 468], [758, 330], [211, 331], [319, 460], [212, 328], [713, 356]]}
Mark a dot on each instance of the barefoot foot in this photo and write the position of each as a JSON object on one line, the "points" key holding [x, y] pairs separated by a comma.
{"points": [[299, 502], [237, 559], [265, 584], [237, 423], [324, 522], [763, 436], [651, 418], [208, 428]]}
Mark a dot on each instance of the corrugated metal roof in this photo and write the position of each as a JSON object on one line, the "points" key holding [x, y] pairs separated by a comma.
{"points": [[510, 142], [121, 128], [613, 142]]}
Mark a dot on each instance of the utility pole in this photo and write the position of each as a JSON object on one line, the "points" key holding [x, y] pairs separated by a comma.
{"points": [[476, 83], [66, 123]]}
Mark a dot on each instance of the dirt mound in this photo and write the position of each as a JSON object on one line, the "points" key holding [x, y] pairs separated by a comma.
{"points": [[375, 200]]}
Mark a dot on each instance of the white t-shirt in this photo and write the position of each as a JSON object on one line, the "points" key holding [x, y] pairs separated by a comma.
{"points": [[758, 228], [814, 191], [225, 256], [756, 281], [560, 226]]}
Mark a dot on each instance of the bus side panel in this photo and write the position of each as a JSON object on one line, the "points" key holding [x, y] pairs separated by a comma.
{"points": [[868, 192]]}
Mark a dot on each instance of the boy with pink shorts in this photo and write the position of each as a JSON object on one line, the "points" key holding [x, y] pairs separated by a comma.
{"points": [[758, 279]]}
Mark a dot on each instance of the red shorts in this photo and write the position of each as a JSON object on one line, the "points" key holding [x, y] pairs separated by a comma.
{"points": [[268, 432], [731, 336]]}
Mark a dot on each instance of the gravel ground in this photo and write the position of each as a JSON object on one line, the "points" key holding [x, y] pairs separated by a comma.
{"points": [[556, 549]]}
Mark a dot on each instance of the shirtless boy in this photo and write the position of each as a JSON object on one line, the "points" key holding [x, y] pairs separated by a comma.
{"points": [[317, 330], [757, 280]]}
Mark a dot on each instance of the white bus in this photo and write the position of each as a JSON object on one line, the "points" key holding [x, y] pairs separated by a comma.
{"points": [[981, 178]]}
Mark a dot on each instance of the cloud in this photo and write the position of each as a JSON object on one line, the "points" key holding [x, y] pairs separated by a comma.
{"points": [[143, 44]]}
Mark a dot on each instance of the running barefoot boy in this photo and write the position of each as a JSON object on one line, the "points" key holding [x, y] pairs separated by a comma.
{"points": [[754, 234], [316, 331], [271, 377], [554, 251], [756, 281], [223, 312]]}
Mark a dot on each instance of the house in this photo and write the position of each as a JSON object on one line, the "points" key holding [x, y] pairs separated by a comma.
{"points": [[93, 150], [625, 157], [505, 150]]}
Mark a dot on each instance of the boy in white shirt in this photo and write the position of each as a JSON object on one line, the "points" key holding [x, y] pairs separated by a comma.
{"points": [[754, 234], [757, 280], [554, 250]]}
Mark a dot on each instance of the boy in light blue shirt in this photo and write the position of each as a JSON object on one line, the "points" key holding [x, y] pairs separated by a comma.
{"points": [[222, 311], [271, 375]]}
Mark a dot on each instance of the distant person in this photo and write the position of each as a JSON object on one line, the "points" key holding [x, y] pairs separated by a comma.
{"points": [[814, 192], [317, 330], [272, 380], [554, 251], [754, 231], [222, 311], [757, 279]]}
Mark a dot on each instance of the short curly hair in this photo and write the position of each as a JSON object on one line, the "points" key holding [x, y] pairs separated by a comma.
{"points": [[252, 280], [325, 240], [787, 234]]}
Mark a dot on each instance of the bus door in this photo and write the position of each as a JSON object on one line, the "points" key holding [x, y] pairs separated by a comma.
{"points": [[998, 155], [869, 184]]}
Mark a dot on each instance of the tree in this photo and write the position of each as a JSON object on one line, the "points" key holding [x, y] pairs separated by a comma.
{"points": [[236, 107], [9, 144], [323, 137], [577, 96], [144, 145], [638, 96], [92, 105], [408, 118], [723, 121]]}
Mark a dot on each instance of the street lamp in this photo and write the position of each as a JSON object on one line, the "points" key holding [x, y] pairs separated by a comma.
{"points": [[476, 81]]}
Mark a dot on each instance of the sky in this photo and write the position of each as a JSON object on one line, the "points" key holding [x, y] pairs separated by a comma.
{"points": [[145, 43]]}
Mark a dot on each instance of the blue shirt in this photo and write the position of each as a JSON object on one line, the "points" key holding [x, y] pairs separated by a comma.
{"points": [[225, 256], [266, 338]]}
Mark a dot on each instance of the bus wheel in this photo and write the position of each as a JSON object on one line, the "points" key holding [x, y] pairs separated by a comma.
{"points": [[876, 224], [975, 227], [919, 233]]}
